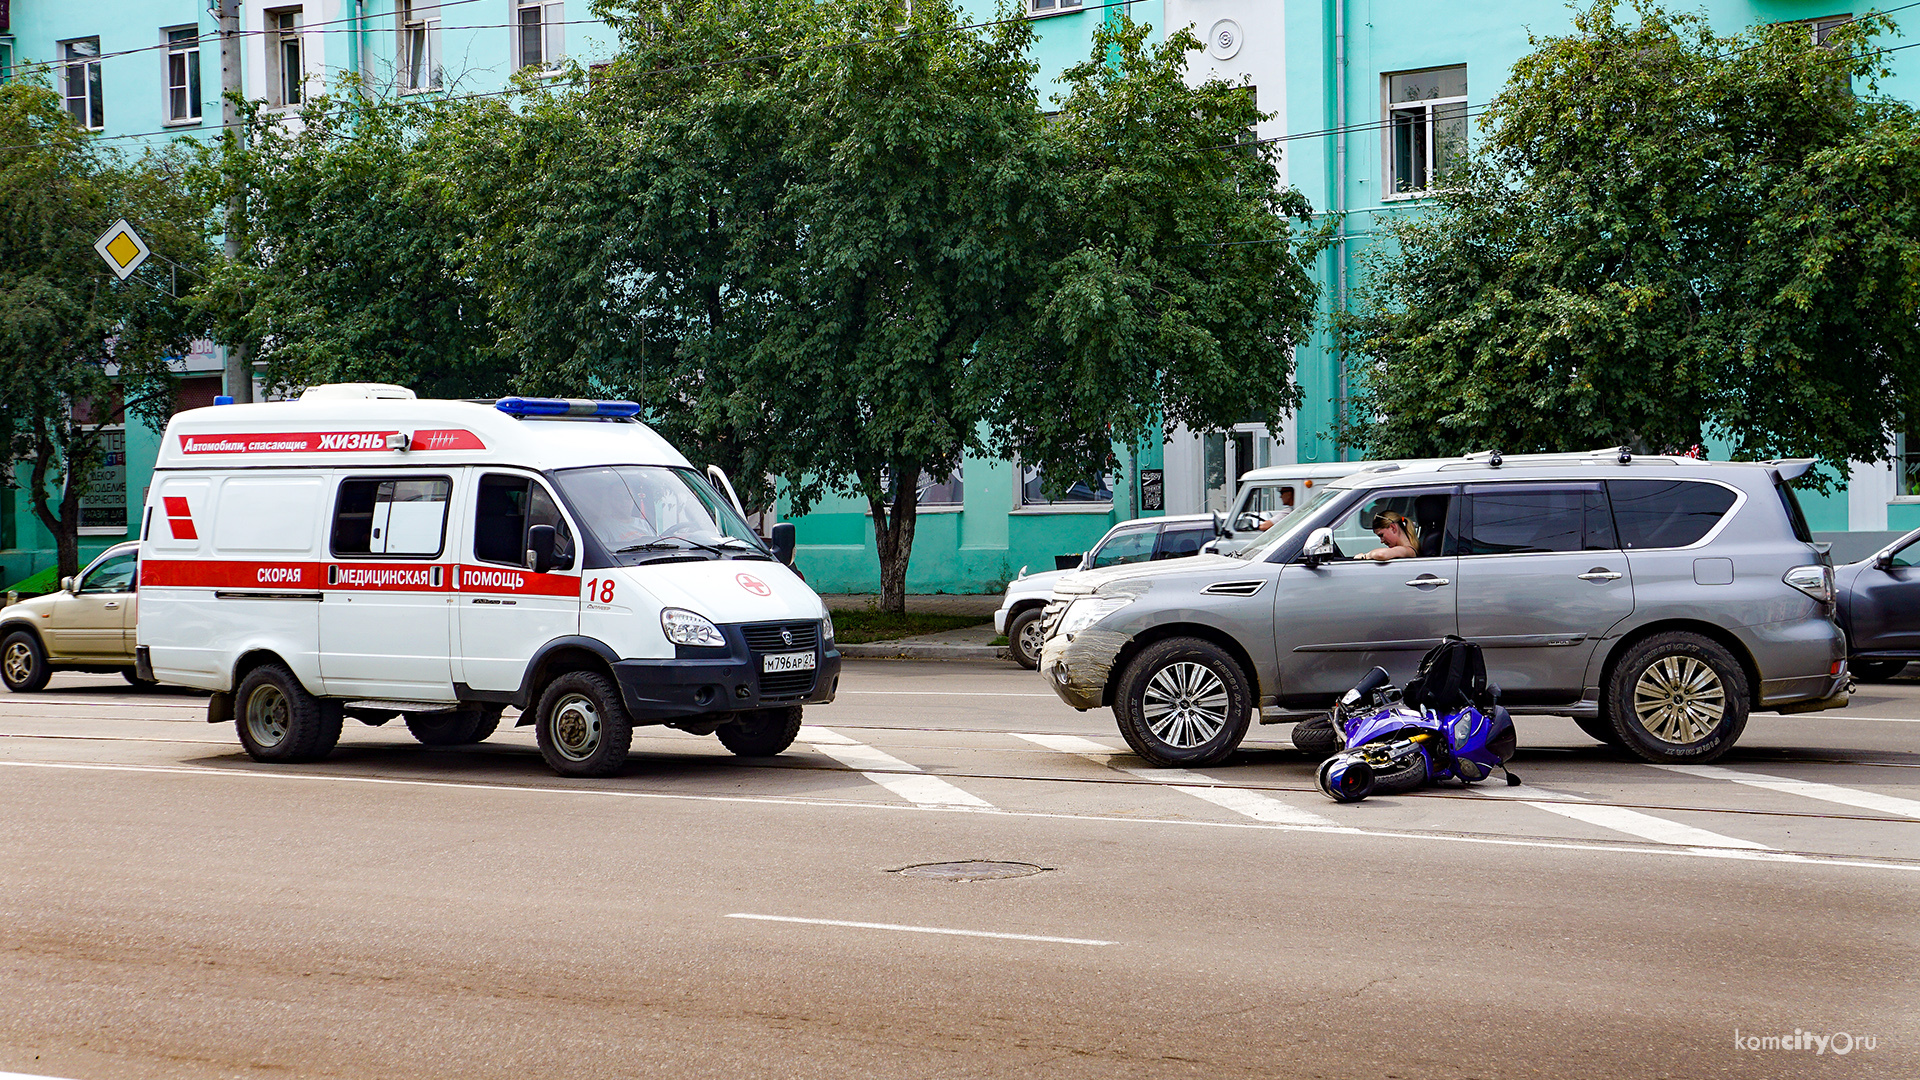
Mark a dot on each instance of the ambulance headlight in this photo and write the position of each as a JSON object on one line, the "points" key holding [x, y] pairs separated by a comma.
{"points": [[826, 627], [683, 627]]}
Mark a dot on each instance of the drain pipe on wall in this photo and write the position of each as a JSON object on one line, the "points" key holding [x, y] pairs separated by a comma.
{"points": [[1339, 207]]}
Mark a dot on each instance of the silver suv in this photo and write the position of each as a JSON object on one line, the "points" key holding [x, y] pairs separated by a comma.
{"points": [[1655, 600]]}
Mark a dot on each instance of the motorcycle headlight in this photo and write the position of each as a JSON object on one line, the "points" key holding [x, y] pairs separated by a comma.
{"points": [[684, 627], [1086, 611]]}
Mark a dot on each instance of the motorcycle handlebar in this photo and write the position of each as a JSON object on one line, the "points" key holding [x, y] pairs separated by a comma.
{"points": [[1370, 682]]}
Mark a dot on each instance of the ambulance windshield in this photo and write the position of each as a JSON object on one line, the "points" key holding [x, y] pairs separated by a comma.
{"points": [[644, 512]]}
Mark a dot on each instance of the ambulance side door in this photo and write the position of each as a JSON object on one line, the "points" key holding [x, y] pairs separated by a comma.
{"points": [[384, 629], [506, 612]]}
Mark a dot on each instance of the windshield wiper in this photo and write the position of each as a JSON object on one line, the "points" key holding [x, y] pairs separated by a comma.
{"points": [[660, 543]]}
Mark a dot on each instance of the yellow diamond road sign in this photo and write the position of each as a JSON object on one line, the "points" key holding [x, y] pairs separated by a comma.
{"points": [[122, 248]]}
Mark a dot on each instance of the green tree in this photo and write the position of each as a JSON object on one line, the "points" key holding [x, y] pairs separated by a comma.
{"points": [[1663, 237], [350, 242], [80, 350]]}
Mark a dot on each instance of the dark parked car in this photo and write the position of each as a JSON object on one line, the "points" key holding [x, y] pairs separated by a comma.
{"points": [[1880, 609]]}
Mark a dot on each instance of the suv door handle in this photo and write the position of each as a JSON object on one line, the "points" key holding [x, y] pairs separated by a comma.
{"points": [[112, 604], [1428, 579], [1600, 573]]}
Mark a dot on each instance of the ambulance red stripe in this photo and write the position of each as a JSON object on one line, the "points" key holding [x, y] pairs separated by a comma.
{"points": [[354, 577], [314, 442]]}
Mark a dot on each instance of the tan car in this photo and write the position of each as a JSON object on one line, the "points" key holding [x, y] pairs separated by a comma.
{"points": [[86, 626]]}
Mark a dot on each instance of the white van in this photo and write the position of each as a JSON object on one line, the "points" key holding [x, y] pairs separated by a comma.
{"points": [[362, 553], [1269, 494]]}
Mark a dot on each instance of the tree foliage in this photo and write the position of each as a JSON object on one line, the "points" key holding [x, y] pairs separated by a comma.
{"points": [[350, 241], [70, 333], [1663, 237]]}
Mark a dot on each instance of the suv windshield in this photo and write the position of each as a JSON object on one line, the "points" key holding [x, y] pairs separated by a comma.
{"points": [[640, 513]]}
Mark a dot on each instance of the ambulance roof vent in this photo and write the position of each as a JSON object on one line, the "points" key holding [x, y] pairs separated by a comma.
{"points": [[357, 391]]}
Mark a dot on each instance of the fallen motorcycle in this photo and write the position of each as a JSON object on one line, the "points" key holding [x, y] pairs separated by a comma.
{"points": [[1448, 724]]}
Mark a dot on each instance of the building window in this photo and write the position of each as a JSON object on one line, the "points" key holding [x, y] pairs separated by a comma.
{"points": [[541, 26], [1824, 28], [286, 73], [183, 75], [928, 492], [80, 82], [1426, 128], [1906, 466], [419, 45], [1093, 491], [1052, 7], [6, 60]]}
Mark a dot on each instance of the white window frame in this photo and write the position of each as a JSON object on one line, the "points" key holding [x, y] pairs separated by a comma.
{"points": [[1424, 110], [1906, 446], [551, 18], [1040, 9], [1818, 28], [6, 57], [187, 54], [94, 97], [285, 89], [418, 27], [1021, 506]]}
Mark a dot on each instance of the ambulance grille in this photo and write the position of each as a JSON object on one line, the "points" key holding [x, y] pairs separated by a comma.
{"points": [[783, 685], [766, 637]]}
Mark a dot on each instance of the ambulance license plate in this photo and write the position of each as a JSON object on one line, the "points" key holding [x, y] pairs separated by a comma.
{"points": [[787, 661]]}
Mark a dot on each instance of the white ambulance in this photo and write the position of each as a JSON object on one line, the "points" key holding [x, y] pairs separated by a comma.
{"points": [[360, 553]]}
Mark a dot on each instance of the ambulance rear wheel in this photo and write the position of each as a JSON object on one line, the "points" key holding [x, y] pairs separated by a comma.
{"points": [[582, 725], [762, 732], [279, 721]]}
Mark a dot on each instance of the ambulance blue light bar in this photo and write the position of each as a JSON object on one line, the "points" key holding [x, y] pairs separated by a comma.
{"points": [[523, 406]]}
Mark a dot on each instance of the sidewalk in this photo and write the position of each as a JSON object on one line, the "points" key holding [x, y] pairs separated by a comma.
{"points": [[966, 643]]}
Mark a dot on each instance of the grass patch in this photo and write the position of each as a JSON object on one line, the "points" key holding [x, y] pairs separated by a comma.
{"points": [[861, 626]]}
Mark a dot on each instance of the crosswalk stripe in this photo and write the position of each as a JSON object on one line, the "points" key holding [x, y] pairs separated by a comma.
{"points": [[1645, 826], [899, 777], [1239, 800], [1866, 800]]}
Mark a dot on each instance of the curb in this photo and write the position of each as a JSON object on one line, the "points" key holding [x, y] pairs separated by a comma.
{"points": [[922, 650]]}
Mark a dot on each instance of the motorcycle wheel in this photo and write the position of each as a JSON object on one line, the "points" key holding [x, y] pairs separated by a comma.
{"points": [[1315, 736], [1406, 778]]}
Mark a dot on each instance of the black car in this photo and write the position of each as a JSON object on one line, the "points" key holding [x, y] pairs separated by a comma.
{"points": [[1880, 609]]}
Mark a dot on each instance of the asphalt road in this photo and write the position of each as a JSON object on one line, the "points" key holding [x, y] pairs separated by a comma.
{"points": [[169, 908]]}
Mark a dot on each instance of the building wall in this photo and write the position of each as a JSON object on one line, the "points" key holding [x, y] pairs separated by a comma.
{"points": [[1345, 170]]}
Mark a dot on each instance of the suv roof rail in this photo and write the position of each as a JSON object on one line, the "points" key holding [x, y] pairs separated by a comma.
{"points": [[1622, 454]]}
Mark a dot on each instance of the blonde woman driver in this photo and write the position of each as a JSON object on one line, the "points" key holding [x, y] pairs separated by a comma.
{"points": [[1399, 537]]}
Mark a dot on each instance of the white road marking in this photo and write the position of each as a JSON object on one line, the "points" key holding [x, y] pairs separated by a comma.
{"points": [[914, 930], [899, 777], [25, 1076], [940, 693], [1239, 800], [1617, 818], [1842, 715], [1646, 826], [1427, 837], [1866, 800]]}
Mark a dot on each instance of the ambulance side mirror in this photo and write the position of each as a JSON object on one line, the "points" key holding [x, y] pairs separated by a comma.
{"points": [[783, 542], [541, 542]]}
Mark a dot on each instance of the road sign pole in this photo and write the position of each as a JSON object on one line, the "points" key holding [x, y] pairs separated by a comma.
{"points": [[239, 365]]}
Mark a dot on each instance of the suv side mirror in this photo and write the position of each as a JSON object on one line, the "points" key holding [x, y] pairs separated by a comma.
{"points": [[1319, 547], [541, 542], [783, 541], [68, 584]]}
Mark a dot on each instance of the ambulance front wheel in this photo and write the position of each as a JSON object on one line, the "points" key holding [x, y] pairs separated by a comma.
{"points": [[583, 726], [279, 721], [762, 732]]}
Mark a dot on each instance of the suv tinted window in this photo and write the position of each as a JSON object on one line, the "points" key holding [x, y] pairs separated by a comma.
{"points": [[1512, 519], [1666, 513]]}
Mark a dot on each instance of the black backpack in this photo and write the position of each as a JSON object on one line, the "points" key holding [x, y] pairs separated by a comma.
{"points": [[1452, 674]]}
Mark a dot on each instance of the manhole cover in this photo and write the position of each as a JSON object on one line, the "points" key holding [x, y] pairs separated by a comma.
{"points": [[972, 870]]}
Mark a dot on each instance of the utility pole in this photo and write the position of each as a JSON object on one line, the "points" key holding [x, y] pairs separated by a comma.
{"points": [[239, 367]]}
